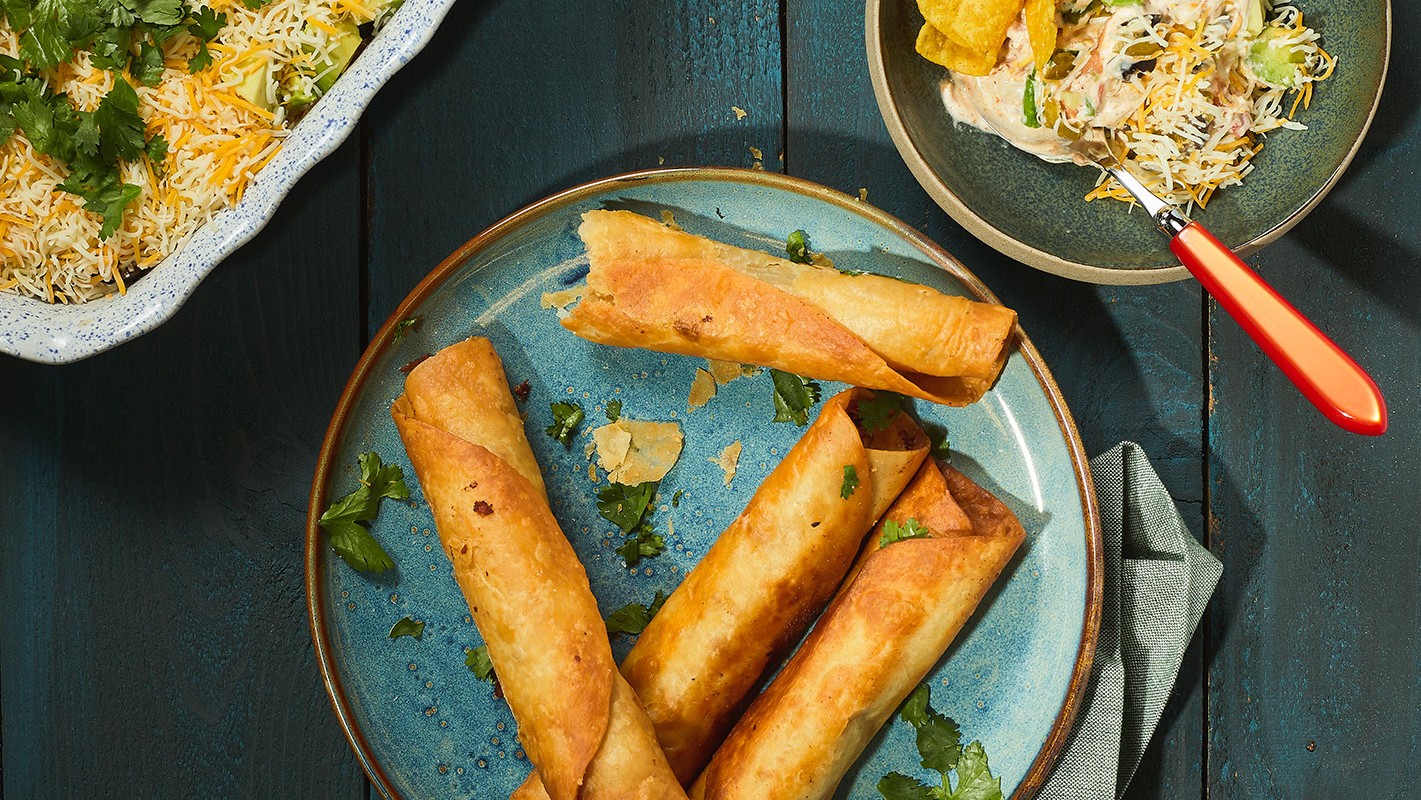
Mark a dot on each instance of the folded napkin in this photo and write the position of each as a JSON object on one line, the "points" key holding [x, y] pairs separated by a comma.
{"points": [[1157, 582]]}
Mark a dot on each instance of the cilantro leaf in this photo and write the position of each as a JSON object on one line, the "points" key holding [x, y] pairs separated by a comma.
{"points": [[157, 12], [676, 498], [939, 740], [793, 397], [633, 618], [404, 325], [974, 777], [894, 532], [206, 23], [937, 437], [200, 60], [625, 505], [897, 786], [614, 410], [148, 67], [351, 540], [55, 27], [110, 49], [407, 627], [797, 246], [86, 136], [851, 482], [157, 150], [566, 418], [877, 412], [120, 127], [645, 544], [357, 547], [480, 664]]}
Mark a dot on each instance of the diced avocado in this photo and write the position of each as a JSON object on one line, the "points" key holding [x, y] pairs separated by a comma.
{"points": [[343, 50], [256, 87], [1254, 26], [1118, 3], [1276, 62]]}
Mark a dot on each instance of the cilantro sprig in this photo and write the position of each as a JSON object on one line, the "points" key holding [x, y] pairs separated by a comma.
{"points": [[894, 532], [876, 413], [940, 750], [566, 418], [851, 481], [797, 246], [351, 540], [938, 441], [633, 618], [794, 396], [480, 664], [625, 506], [645, 544]]}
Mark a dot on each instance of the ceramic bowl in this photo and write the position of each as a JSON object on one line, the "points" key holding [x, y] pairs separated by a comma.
{"points": [[57, 334], [1034, 212]]}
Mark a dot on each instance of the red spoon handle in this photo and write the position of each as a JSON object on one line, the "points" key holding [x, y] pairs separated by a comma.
{"points": [[1314, 363]]}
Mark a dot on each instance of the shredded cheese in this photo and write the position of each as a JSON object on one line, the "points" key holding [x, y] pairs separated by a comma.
{"points": [[1204, 114], [218, 143]]}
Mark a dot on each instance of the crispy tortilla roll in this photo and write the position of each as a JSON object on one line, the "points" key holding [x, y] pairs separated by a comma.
{"points": [[528, 592], [887, 628], [621, 769], [760, 585], [653, 287]]}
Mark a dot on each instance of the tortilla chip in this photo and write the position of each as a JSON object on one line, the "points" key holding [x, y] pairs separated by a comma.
{"points": [[938, 49], [981, 25], [939, 13], [1041, 27]]}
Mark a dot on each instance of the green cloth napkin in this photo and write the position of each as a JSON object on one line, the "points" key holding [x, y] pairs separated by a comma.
{"points": [[1157, 582]]}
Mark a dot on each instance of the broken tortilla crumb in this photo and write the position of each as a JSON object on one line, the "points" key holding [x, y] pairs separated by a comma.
{"points": [[635, 451], [729, 460], [702, 389], [562, 298]]}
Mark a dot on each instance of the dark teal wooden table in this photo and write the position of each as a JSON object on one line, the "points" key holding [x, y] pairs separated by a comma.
{"points": [[153, 638]]}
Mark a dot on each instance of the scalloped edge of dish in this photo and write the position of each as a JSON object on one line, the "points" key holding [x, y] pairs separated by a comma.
{"points": [[60, 334], [1040, 259], [315, 550]]}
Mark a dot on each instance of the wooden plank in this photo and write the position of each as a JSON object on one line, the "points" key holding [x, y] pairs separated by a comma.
{"points": [[1313, 683], [153, 628], [1128, 359], [514, 101]]}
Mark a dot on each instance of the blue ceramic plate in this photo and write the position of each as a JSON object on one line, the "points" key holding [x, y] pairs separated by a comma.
{"points": [[424, 727]]}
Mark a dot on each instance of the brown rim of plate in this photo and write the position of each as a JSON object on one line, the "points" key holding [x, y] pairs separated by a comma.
{"points": [[1040, 259], [316, 549]]}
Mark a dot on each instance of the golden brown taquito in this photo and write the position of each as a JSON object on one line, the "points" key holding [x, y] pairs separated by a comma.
{"points": [[527, 591], [658, 288], [760, 585], [882, 634], [763, 581]]}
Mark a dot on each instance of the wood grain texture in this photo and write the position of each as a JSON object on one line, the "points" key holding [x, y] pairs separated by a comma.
{"points": [[152, 637], [1128, 360], [514, 101], [1315, 683]]}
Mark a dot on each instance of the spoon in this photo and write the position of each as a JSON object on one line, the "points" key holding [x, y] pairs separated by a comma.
{"points": [[1326, 376]]}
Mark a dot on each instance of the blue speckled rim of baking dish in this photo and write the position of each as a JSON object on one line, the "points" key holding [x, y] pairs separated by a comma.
{"points": [[58, 334], [330, 463]]}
